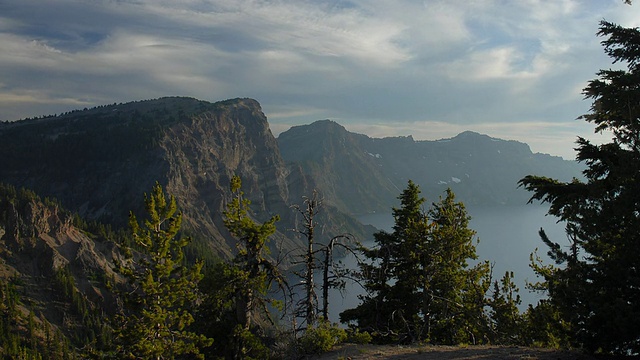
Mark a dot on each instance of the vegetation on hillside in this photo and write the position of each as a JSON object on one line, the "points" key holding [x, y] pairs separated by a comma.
{"points": [[166, 309]]}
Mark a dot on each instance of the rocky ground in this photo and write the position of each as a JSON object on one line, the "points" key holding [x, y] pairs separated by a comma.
{"points": [[427, 352]]}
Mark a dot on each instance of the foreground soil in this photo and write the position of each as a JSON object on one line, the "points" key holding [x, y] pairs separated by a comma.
{"points": [[427, 352]]}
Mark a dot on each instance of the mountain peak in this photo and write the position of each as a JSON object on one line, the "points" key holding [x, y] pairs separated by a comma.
{"points": [[469, 133], [479, 168], [324, 125], [100, 161]]}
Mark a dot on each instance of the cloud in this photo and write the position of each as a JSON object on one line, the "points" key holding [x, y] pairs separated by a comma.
{"points": [[463, 63]]}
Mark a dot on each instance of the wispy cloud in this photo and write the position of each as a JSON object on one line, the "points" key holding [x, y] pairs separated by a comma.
{"points": [[461, 63]]}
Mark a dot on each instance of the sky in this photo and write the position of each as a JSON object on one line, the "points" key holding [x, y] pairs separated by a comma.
{"points": [[511, 69]]}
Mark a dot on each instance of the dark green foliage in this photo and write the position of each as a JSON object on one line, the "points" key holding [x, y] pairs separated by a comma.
{"points": [[251, 267], [506, 321], [104, 232], [545, 327], [236, 305], [162, 290], [355, 336], [81, 325], [11, 197], [594, 285], [321, 337], [86, 138], [418, 280], [90, 327], [200, 249], [20, 334], [108, 145], [217, 316]]}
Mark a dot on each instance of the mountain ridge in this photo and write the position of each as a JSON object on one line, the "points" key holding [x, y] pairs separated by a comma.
{"points": [[479, 168], [99, 162]]}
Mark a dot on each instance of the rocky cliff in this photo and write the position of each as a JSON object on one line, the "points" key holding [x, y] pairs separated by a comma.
{"points": [[343, 169], [99, 162], [58, 269], [366, 174]]}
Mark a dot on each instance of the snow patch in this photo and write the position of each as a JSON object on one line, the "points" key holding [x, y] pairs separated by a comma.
{"points": [[377, 156], [455, 180], [442, 182]]}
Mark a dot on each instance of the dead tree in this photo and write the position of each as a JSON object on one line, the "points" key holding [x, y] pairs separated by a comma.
{"points": [[307, 307], [309, 304], [339, 274]]}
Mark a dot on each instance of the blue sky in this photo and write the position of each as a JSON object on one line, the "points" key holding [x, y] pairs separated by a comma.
{"points": [[512, 69]]}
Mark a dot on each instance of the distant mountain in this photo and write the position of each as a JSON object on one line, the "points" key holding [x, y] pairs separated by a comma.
{"points": [[362, 174], [98, 162], [347, 174]]}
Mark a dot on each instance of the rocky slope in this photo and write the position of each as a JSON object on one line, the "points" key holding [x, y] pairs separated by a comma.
{"points": [[365, 174], [58, 271], [38, 239], [99, 162]]}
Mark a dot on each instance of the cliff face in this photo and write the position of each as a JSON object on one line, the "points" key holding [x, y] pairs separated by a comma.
{"points": [[367, 174], [342, 168], [100, 162], [38, 239], [204, 152]]}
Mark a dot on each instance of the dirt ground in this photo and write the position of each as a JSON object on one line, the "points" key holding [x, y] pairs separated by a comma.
{"points": [[415, 352]]}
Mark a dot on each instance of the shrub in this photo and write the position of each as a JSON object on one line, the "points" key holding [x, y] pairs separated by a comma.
{"points": [[322, 338], [357, 337]]}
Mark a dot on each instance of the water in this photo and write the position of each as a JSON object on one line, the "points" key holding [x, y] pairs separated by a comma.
{"points": [[507, 234]]}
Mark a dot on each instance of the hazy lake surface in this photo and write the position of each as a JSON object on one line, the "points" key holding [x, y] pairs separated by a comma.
{"points": [[507, 234]]}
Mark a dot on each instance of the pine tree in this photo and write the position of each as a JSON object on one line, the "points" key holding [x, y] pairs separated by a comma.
{"points": [[162, 290], [383, 306], [454, 295], [418, 281], [506, 321], [251, 275], [595, 283]]}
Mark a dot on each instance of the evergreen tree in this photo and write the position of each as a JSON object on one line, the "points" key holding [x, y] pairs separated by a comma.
{"points": [[237, 298], [418, 281], [162, 290], [454, 295], [506, 321], [595, 283], [543, 326]]}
